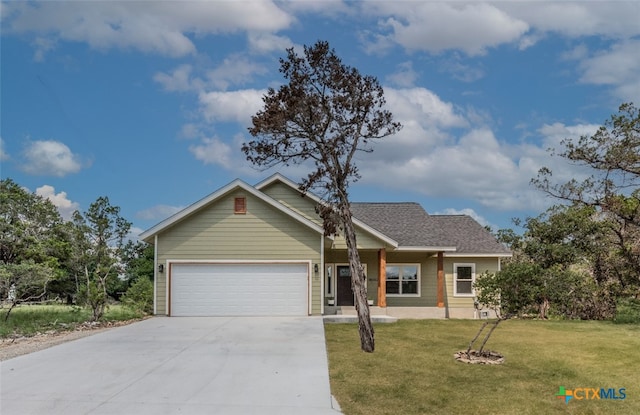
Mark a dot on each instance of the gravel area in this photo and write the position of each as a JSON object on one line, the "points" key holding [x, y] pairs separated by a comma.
{"points": [[18, 346]]}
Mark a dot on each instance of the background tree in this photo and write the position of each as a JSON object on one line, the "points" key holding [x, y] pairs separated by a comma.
{"points": [[32, 245], [552, 266], [30, 227], [99, 240], [613, 155], [326, 114]]}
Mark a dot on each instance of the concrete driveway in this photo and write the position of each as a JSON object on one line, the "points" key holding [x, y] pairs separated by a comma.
{"points": [[187, 365]]}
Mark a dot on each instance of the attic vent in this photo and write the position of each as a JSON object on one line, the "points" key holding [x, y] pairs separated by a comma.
{"points": [[240, 205]]}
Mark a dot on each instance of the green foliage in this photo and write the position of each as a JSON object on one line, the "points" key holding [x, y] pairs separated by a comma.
{"points": [[628, 311], [24, 282], [99, 240], [84, 260], [139, 296], [138, 259], [560, 266], [30, 227], [612, 192], [28, 320], [95, 297]]}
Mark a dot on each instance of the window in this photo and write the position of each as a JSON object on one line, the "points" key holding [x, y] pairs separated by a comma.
{"points": [[403, 280], [240, 205], [463, 277]]}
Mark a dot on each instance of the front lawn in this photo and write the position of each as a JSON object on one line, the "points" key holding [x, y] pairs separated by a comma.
{"points": [[413, 370]]}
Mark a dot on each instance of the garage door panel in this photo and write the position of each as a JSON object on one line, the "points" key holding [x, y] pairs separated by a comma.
{"points": [[239, 289]]}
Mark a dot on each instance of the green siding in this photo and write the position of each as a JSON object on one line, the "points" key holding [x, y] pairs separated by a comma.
{"points": [[428, 275], [292, 199], [482, 265], [216, 233], [428, 279], [307, 208]]}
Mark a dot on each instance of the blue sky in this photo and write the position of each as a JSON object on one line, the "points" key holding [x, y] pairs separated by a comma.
{"points": [[149, 102]]}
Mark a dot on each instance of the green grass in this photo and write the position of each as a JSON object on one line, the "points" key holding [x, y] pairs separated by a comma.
{"points": [[413, 370], [28, 320]]}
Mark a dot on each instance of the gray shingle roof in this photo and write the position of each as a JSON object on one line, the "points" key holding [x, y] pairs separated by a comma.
{"points": [[411, 226]]}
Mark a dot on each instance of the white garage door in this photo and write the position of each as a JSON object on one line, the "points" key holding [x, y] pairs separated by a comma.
{"points": [[239, 289]]}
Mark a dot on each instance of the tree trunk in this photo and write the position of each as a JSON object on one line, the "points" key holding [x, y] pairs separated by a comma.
{"points": [[358, 282]]}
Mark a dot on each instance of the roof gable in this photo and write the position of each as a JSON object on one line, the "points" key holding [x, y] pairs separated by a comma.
{"points": [[213, 197], [356, 220]]}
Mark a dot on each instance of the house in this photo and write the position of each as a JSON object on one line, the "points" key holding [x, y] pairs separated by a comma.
{"points": [[261, 250]]}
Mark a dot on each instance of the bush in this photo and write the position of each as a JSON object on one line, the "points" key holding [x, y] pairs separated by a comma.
{"points": [[139, 296], [627, 311]]}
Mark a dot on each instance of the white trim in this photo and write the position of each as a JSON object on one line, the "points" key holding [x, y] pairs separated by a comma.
{"points": [[219, 193], [321, 271], [427, 248], [471, 255], [309, 287], [155, 275], [279, 177], [455, 278], [240, 262], [166, 287], [401, 264]]}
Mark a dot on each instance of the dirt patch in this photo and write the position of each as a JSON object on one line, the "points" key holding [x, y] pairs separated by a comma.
{"points": [[17, 346], [485, 357]]}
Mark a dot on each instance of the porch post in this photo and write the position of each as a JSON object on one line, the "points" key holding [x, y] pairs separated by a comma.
{"points": [[440, 296], [382, 278]]}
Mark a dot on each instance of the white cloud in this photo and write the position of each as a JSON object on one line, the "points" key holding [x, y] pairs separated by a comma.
{"points": [[444, 151], [405, 76], [467, 211], [134, 233], [160, 27], [213, 151], [578, 18], [235, 69], [178, 80], [235, 106], [50, 158], [3, 154], [618, 66], [261, 42], [189, 131], [65, 206], [158, 212], [439, 26]]}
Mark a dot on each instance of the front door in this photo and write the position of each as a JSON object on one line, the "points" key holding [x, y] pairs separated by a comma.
{"points": [[343, 285]]}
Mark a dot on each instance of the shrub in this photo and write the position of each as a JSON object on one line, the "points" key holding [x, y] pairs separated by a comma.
{"points": [[140, 296], [627, 311]]}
